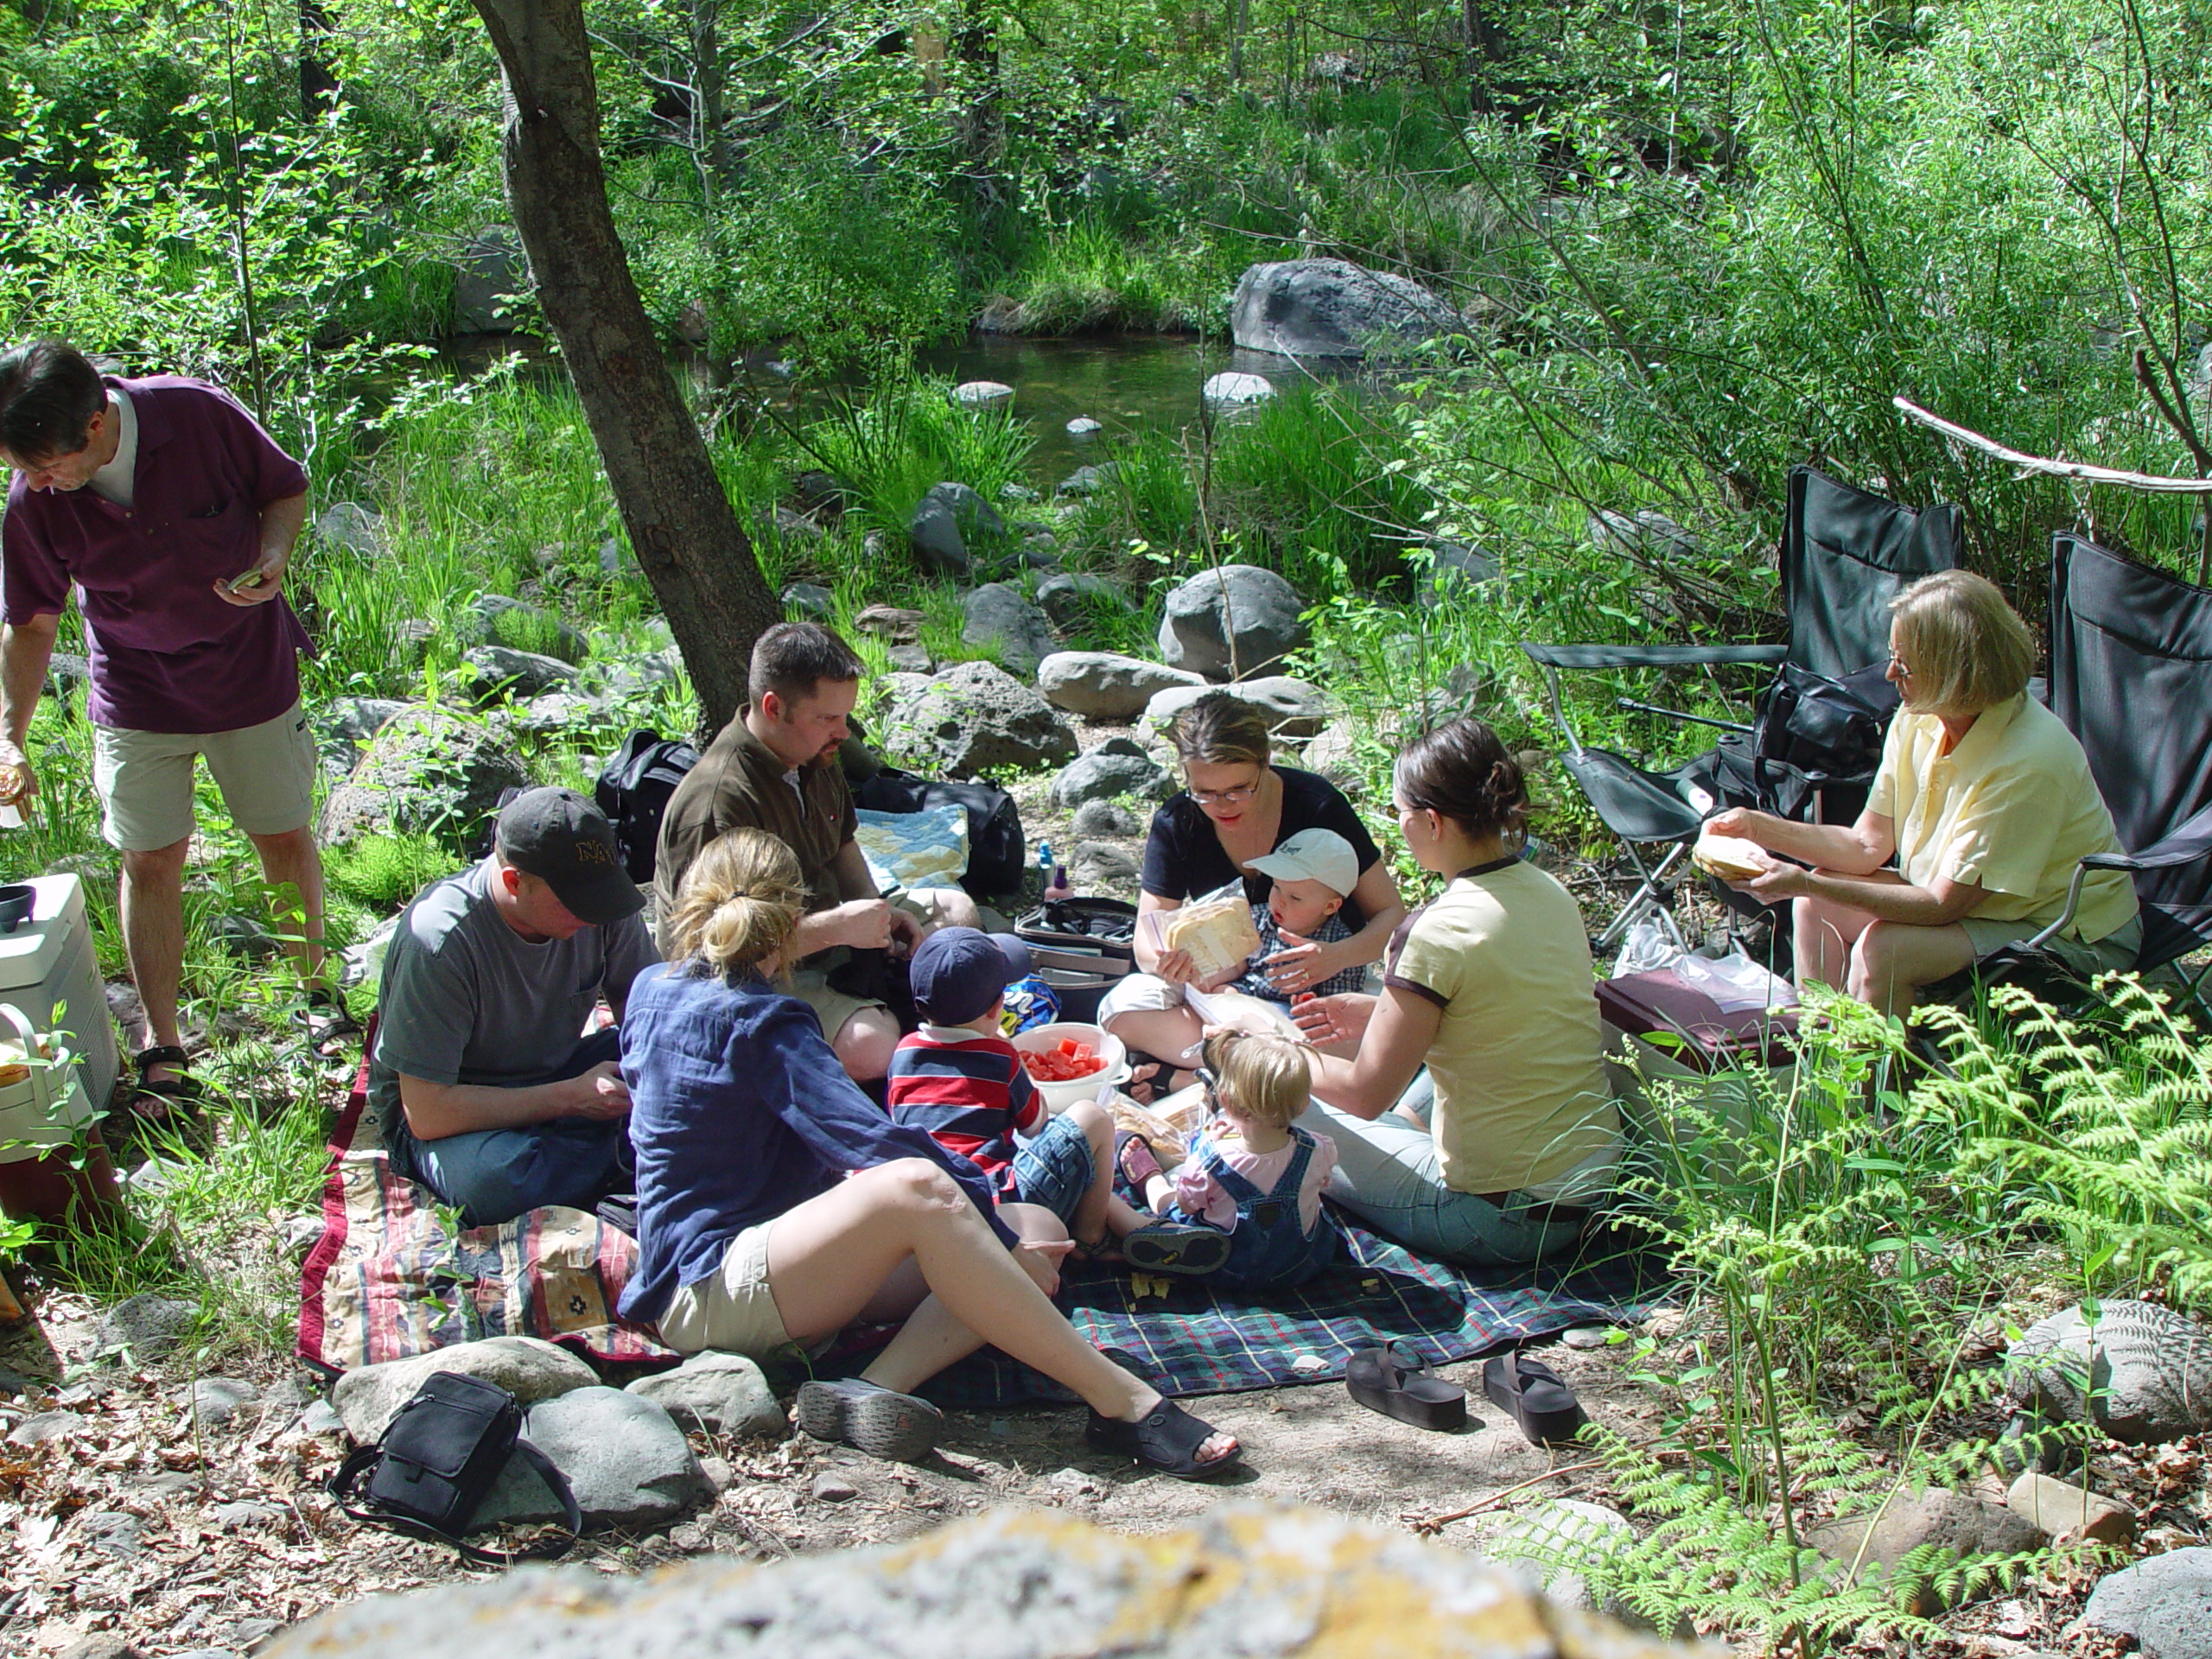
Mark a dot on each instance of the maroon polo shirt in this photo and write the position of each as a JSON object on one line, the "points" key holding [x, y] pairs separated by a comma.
{"points": [[168, 655]]}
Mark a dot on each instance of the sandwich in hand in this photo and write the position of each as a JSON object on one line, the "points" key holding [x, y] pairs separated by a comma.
{"points": [[1730, 857], [1216, 934]]}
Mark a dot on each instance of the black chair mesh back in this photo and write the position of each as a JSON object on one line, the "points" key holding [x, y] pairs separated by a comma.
{"points": [[1845, 555], [2131, 675]]}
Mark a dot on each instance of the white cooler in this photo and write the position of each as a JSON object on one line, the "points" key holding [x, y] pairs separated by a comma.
{"points": [[46, 964]]}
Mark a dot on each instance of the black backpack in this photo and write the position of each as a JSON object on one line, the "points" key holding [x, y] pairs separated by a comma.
{"points": [[1815, 742], [996, 851], [634, 790]]}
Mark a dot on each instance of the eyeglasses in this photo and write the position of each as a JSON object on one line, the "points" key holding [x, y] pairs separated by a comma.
{"points": [[1903, 668], [1224, 797]]}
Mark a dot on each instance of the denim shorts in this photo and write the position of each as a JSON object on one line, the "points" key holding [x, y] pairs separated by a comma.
{"points": [[1056, 1169]]}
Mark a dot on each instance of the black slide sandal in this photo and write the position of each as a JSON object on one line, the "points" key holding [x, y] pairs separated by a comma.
{"points": [[1541, 1402], [873, 1419], [1167, 1438], [1396, 1382]]}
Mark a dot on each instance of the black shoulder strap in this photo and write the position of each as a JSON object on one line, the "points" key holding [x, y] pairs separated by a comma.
{"points": [[363, 1458]]}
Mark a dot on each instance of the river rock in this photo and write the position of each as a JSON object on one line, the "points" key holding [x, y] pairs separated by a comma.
{"points": [[1094, 819], [974, 715], [1294, 708], [496, 619], [151, 1326], [2164, 1603], [2069, 1513], [526, 1368], [946, 524], [1103, 686], [1558, 1541], [505, 672], [720, 1393], [1965, 1526], [1233, 389], [556, 711], [1236, 622], [2151, 1372], [1455, 570], [810, 598], [891, 624], [1276, 1583], [1069, 597], [1084, 427], [43, 1425], [624, 1459], [982, 394], [1332, 307], [344, 725], [1646, 535], [1102, 774], [214, 1400], [427, 770], [354, 527], [997, 614], [103, 1645], [1086, 480], [1095, 864], [492, 268], [65, 671]]}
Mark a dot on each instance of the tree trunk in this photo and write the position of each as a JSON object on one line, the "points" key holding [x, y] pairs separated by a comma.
{"points": [[679, 521], [1488, 46], [318, 86]]}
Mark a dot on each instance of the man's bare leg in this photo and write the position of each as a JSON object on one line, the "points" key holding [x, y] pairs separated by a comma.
{"points": [[153, 939]]}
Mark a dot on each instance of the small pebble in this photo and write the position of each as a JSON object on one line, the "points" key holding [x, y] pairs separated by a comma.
{"points": [[1588, 1336], [831, 1487], [720, 1476]]}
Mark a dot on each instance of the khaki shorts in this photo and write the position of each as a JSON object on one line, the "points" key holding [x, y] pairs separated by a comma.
{"points": [[266, 774], [731, 1310], [810, 983], [2114, 954]]}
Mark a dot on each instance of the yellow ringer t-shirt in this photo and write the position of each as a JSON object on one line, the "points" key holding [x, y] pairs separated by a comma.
{"points": [[1521, 1097], [2013, 807]]}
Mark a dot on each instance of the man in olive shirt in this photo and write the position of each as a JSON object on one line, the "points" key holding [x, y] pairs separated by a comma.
{"points": [[774, 768]]}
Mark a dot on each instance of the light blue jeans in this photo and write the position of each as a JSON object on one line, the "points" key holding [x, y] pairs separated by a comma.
{"points": [[1388, 1175]]}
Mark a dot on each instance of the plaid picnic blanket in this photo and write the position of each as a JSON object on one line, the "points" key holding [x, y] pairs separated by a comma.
{"points": [[389, 1279]]}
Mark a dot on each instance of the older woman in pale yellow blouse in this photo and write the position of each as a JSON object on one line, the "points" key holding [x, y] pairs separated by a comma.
{"points": [[1986, 801]]}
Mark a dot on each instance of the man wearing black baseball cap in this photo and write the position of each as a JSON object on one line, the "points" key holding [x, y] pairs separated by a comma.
{"points": [[486, 1087]]}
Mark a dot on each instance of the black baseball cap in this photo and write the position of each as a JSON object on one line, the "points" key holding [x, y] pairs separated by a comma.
{"points": [[958, 972], [564, 841]]}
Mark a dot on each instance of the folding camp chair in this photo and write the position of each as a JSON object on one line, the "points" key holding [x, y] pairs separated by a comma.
{"points": [[2131, 675], [1844, 555]]}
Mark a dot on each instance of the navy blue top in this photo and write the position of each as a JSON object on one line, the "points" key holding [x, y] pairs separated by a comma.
{"points": [[1184, 859], [738, 1112]]}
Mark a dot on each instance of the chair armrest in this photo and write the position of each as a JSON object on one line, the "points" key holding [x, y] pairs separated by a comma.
{"points": [[1591, 657], [2192, 842]]}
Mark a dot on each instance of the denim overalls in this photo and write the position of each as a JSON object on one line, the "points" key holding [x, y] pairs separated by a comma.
{"points": [[1266, 1248]]}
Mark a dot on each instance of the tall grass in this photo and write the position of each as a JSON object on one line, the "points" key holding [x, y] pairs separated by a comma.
{"points": [[907, 434]]}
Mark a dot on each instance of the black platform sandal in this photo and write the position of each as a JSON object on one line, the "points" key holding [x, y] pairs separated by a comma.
{"points": [[1397, 1382], [1167, 1438], [1541, 1401]]}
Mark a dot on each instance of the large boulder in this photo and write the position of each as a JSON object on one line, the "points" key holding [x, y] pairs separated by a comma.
{"points": [[998, 615], [946, 524], [491, 269], [1112, 770], [1069, 596], [1455, 570], [1874, 1544], [718, 1393], [2164, 1603], [526, 1368], [1647, 535], [1232, 623], [1294, 708], [1101, 686], [1332, 307], [428, 770], [1254, 1582], [502, 671], [2148, 1368], [343, 726], [354, 527], [625, 1460], [976, 715]]}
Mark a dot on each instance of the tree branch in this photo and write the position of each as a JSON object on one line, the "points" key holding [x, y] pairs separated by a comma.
{"points": [[2149, 483]]}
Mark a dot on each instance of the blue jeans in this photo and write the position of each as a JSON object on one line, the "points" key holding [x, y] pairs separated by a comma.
{"points": [[1388, 1175], [495, 1175], [1056, 1169]]}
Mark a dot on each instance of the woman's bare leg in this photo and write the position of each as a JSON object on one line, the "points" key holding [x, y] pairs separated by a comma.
{"points": [[932, 1337], [1893, 960], [1164, 1034], [828, 1257], [1824, 933]]}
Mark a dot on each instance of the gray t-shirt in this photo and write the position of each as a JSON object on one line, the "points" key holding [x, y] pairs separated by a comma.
{"points": [[465, 999]]}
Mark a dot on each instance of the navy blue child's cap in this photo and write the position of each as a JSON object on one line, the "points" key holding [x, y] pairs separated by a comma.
{"points": [[957, 973]]}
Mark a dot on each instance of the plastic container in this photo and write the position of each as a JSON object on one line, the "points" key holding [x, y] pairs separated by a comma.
{"points": [[52, 1161], [1059, 1097]]}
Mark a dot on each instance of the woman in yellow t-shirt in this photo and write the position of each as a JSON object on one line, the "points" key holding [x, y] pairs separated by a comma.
{"points": [[1492, 1155], [1984, 798]]}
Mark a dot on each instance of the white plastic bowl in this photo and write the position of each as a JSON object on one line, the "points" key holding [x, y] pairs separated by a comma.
{"points": [[1059, 1097]]}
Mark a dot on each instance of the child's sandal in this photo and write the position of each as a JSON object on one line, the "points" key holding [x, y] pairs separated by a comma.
{"points": [[1134, 1158]]}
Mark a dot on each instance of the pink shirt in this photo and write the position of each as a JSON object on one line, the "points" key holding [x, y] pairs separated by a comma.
{"points": [[1201, 1197], [167, 654]]}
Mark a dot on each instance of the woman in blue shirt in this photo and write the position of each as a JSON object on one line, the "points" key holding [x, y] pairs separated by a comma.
{"points": [[777, 1203]]}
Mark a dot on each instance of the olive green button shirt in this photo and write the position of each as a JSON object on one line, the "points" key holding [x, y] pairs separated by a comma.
{"points": [[741, 784]]}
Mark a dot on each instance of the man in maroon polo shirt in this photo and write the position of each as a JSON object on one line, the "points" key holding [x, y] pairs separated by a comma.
{"points": [[173, 515]]}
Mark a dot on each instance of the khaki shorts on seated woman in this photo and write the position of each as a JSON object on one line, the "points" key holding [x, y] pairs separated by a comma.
{"points": [[1984, 798], [776, 1203], [1498, 1154]]}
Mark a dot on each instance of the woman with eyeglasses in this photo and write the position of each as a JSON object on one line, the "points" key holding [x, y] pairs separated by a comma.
{"points": [[1237, 806], [1984, 798], [1498, 1151]]}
